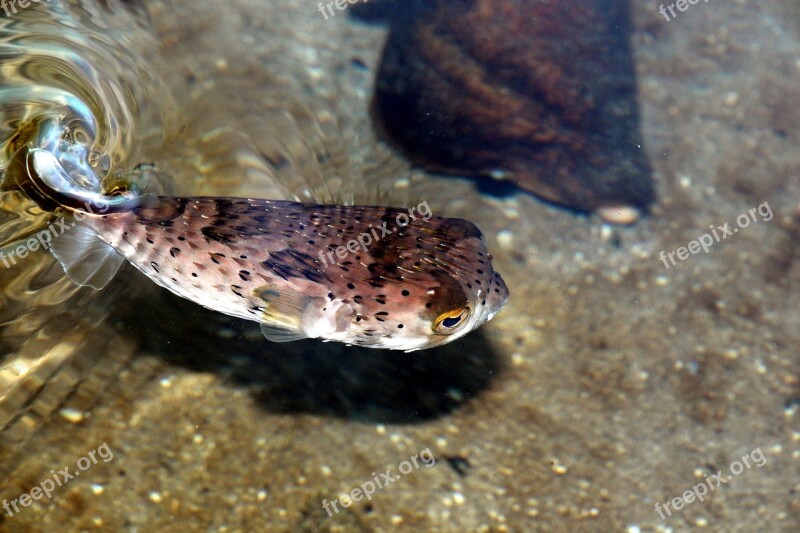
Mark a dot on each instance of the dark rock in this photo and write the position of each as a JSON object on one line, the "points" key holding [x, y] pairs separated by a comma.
{"points": [[542, 92]]}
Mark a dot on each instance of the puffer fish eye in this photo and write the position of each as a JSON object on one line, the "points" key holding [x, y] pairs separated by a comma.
{"points": [[449, 321]]}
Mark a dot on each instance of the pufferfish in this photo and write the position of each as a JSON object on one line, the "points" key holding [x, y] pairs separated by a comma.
{"points": [[301, 270]]}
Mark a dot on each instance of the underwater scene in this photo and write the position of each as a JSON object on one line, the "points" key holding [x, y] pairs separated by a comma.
{"points": [[399, 265]]}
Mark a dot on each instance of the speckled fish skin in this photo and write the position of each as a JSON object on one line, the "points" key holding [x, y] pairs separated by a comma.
{"points": [[227, 253]]}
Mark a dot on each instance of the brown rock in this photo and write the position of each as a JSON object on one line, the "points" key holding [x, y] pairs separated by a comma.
{"points": [[541, 92]]}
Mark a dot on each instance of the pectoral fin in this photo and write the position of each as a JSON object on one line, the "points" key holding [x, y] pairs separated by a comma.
{"points": [[86, 259], [283, 313], [276, 334]]}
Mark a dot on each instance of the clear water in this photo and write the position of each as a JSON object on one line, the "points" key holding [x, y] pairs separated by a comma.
{"points": [[612, 383]]}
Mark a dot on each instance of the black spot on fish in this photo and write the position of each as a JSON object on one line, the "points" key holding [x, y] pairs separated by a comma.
{"points": [[405, 292], [215, 257], [154, 265], [351, 286], [245, 275], [174, 251]]}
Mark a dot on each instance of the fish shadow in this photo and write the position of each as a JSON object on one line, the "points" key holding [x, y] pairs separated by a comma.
{"points": [[313, 377]]}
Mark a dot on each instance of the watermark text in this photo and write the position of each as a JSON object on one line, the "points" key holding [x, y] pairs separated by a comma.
{"points": [[59, 479], [368, 488], [705, 241], [698, 492]]}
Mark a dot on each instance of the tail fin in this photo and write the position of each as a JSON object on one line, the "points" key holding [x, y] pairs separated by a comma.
{"points": [[42, 177]]}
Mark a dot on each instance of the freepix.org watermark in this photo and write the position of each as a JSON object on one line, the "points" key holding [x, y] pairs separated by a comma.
{"points": [[681, 5], [341, 5], [699, 491], [43, 238], [59, 479], [368, 488], [705, 241], [375, 234], [9, 7]]}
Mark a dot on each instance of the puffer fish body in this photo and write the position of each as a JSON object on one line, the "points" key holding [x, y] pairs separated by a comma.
{"points": [[301, 270]]}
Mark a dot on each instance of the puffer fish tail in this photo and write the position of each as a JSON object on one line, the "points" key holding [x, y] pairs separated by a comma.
{"points": [[86, 260]]}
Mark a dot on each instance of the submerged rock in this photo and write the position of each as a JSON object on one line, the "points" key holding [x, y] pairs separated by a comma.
{"points": [[540, 92]]}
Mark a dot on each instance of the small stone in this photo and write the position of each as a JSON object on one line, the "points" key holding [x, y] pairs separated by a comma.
{"points": [[731, 98], [622, 214], [74, 416], [505, 239]]}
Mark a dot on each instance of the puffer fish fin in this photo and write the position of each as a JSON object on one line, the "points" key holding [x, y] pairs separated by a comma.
{"points": [[276, 334], [283, 313], [86, 259]]}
